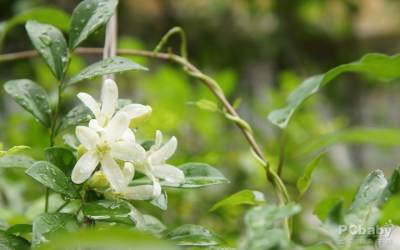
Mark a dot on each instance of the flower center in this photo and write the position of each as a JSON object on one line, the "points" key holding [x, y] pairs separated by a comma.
{"points": [[102, 148]]}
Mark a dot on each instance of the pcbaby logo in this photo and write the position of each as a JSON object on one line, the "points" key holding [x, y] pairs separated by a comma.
{"points": [[383, 232]]}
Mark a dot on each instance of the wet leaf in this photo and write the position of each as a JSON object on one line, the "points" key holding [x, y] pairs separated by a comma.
{"points": [[106, 67], [51, 45], [87, 17], [31, 97], [52, 177]]}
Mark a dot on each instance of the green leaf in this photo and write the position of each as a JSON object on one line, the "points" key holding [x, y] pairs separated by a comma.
{"points": [[77, 116], [196, 175], [54, 16], [304, 182], [105, 210], [12, 242], [207, 105], [88, 17], [193, 235], [62, 158], [51, 45], [376, 65], [13, 150], [364, 208], [52, 177], [16, 161], [323, 208], [201, 175], [19, 229], [105, 67], [248, 197], [107, 238], [377, 136], [151, 224], [261, 233], [393, 187], [31, 97], [51, 223]]}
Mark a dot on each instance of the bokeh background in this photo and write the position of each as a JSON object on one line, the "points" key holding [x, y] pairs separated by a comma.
{"points": [[258, 50]]}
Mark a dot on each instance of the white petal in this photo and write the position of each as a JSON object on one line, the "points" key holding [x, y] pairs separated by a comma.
{"points": [[158, 141], [128, 135], [142, 192], [84, 167], [165, 152], [169, 173], [87, 136], [136, 110], [129, 172], [90, 102], [94, 124], [109, 97], [128, 151], [117, 126], [113, 173]]}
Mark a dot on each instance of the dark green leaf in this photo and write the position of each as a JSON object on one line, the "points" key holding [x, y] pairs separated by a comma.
{"points": [[51, 45], [19, 229], [393, 186], [62, 158], [105, 67], [52, 177], [47, 224], [377, 65], [16, 161], [107, 238], [12, 242], [112, 211], [32, 97], [304, 182], [49, 15], [249, 197], [77, 116], [323, 208], [193, 235], [88, 17]]}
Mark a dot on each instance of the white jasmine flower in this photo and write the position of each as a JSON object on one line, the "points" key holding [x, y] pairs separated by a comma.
{"points": [[155, 167], [105, 110], [105, 146]]}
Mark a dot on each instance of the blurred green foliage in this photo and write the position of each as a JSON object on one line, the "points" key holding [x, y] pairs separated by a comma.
{"points": [[259, 51]]}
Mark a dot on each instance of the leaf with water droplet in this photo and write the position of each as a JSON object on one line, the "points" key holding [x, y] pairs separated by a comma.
{"points": [[51, 45], [52, 177], [106, 67], [46, 224], [31, 97], [88, 17]]}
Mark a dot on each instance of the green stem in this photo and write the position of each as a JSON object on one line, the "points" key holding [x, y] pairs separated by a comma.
{"points": [[53, 133], [46, 204], [63, 205]]}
